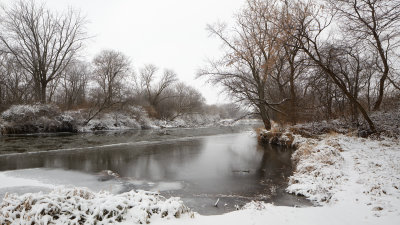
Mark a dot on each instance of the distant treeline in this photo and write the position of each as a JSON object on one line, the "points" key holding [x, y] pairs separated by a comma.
{"points": [[41, 62]]}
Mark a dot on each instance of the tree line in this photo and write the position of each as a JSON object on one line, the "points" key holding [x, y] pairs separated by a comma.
{"points": [[41, 61], [305, 60]]}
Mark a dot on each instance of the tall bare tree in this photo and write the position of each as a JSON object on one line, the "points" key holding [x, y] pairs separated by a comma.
{"points": [[110, 69], [43, 42], [252, 49], [186, 100], [15, 85], [375, 23], [153, 88], [312, 24], [74, 82]]}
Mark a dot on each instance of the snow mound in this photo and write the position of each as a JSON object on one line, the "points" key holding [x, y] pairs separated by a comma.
{"points": [[81, 206], [318, 172]]}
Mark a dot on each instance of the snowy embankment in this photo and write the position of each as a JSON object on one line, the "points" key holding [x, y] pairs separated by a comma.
{"points": [[23, 119]]}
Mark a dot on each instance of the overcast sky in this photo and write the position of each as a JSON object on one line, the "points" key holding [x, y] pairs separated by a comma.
{"points": [[168, 33]]}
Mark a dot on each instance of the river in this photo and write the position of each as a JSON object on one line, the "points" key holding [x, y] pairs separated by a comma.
{"points": [[200, 165]]}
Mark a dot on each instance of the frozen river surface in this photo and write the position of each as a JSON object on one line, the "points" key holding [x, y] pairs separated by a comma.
{"points": [[199, 165]]}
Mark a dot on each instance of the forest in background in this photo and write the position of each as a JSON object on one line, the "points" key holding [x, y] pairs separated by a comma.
{"points": [[42, 62], [300, 61], [286, 61]]}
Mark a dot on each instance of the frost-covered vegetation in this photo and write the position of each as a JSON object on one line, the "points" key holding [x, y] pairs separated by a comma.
{"points": [[387, 125], [107, 92], [39, 118], [318, 169], [81, 206], [35, 119], [338, 170]]}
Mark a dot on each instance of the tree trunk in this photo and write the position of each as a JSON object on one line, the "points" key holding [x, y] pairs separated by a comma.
{"points": [[352, 100], [293, 114], [381, 91], [343, 88], [264, 117], [385, 73], [43, 88]]}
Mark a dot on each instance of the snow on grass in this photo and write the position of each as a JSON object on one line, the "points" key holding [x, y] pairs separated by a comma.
{"points": [[374, 174], [318, 170], [111, 121], [81, 206], [22, 113], [341, 169]]}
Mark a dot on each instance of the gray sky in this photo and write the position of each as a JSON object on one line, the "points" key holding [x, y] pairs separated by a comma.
{"points": [[168, 33]]}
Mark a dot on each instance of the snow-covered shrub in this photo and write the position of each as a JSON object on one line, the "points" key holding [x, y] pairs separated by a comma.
{"points": [[141, 116], [112, 121], [36, 119], [21, 113], [195, 120], [323, 127], [285, 139], [387, 123], [81, 206]]}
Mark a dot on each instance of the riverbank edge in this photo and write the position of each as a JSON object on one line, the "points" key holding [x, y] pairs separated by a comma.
{"points": [[67, 127], [39, 119]]}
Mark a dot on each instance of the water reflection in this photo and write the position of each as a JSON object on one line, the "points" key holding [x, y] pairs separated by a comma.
{"points": [[232, 167]]}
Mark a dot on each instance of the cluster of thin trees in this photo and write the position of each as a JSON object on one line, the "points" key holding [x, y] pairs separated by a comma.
{"points": [[304, 60], [40, 53]]}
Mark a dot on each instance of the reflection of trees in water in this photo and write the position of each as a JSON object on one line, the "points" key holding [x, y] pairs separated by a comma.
{"points": [[165, 161], [158, 161], [210, 163], [276, 162], [46, 142]]}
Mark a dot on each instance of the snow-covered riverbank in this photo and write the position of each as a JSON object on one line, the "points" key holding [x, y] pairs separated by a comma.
{"points": [[351, 180], [27, 119]]}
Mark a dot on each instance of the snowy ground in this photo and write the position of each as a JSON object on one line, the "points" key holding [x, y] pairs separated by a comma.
{"points": [[351, 181]]}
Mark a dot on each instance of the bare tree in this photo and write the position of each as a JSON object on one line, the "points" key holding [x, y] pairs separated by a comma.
{"points": [[374, 23], [15, 86], [311, 25], [110, 68], [155, 89], [42, 42], [186, 100], [252, 50], [74, 82]]}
